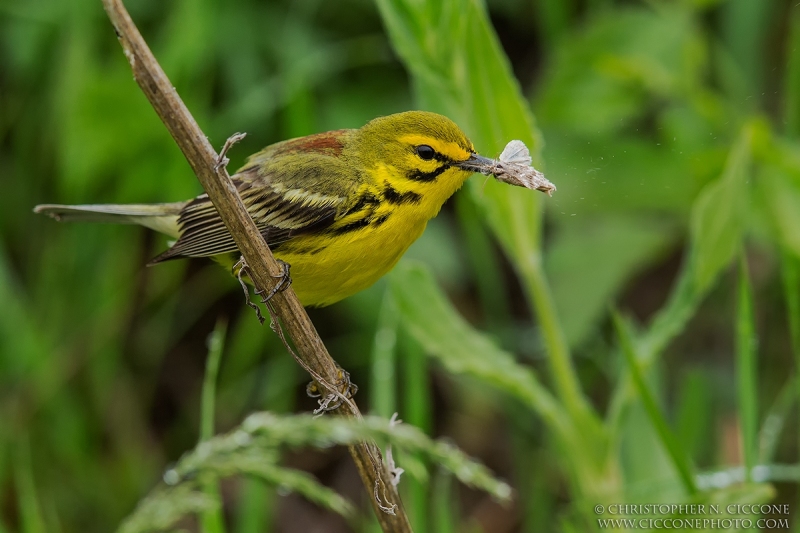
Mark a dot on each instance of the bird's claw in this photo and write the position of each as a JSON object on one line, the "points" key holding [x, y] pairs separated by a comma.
{"points": [[284, 281], [245, 269]]}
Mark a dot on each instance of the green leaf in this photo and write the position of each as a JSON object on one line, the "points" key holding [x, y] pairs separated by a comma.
{"points": [[444, 334], [619, 247], [781, 195], [717, 223], [719, 215], [460, 70], [485, 268], [604, 75]]}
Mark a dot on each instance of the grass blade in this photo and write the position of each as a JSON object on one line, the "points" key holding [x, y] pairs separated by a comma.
{"points": [[693, 415], [211, 519], [775, 421], [791, 291], [417, 399], [383, 395], [673, 447], [257, 508], [716, 228], [416, 410], [216, 342], [717, 223], [30, 511], [746, 371], [445, 515], [790, 274]]}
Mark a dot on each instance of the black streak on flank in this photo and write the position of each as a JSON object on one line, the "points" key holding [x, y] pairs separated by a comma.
{"points": [[365, 200], [418, 175], [394, 197], [380, 220], [352, 226]]}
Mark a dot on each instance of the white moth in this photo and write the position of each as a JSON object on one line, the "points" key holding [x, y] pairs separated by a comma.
{"points": [[514, 167], [517, 153]]}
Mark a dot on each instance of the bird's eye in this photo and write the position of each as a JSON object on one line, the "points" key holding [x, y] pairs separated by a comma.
{"points": [[425, 152]]}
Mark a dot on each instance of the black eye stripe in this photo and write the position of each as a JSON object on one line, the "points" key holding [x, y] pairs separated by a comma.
{"points": [[427, 153]]}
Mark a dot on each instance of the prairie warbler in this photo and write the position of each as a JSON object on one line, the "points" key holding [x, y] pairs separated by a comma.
{"points": [[340, 207]]}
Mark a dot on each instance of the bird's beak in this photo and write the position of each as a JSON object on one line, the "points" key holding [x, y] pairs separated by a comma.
{"points": [[511, 172], [478, 163]]}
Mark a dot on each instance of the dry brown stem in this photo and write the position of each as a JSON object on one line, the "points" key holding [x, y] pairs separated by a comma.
{"points": [[263, 268]]}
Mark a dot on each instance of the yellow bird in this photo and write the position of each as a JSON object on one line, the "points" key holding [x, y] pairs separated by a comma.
{"points": [[340, 207]]}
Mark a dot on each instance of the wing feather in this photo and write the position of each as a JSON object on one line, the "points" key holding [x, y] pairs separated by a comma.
{"points": [[288, 193]]}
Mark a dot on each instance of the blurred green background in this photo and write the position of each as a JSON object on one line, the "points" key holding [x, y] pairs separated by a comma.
{"points": [[671, 130]]}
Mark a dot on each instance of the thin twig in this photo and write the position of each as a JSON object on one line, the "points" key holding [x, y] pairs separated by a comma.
{"points": [[262, 265]]}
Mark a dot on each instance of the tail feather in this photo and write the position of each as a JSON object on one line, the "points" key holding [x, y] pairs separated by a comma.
{"points": [[159, 217]]}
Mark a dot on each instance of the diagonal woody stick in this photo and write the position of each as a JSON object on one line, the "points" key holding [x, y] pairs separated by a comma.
{"points": [[264, 269]]}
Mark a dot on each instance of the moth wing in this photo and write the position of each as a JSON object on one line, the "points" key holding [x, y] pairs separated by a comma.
{"points": [[516, 153]]}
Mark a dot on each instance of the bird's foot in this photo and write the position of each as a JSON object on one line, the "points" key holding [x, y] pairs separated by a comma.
{"points": [[243, 268], [284, 280]]}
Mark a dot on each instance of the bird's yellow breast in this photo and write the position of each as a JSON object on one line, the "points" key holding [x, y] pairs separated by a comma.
{"points": [[360, 248]]}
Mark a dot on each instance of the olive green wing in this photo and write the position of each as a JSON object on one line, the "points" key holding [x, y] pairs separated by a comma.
{"points": [[290, 189]]}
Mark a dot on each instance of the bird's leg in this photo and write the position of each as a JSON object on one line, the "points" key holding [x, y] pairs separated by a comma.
{"points": [[284, 280], [331, 402], [244, 268]]}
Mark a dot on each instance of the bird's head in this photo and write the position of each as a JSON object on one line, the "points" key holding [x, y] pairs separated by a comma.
{"points": [[426, 150], [421, 148]]}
